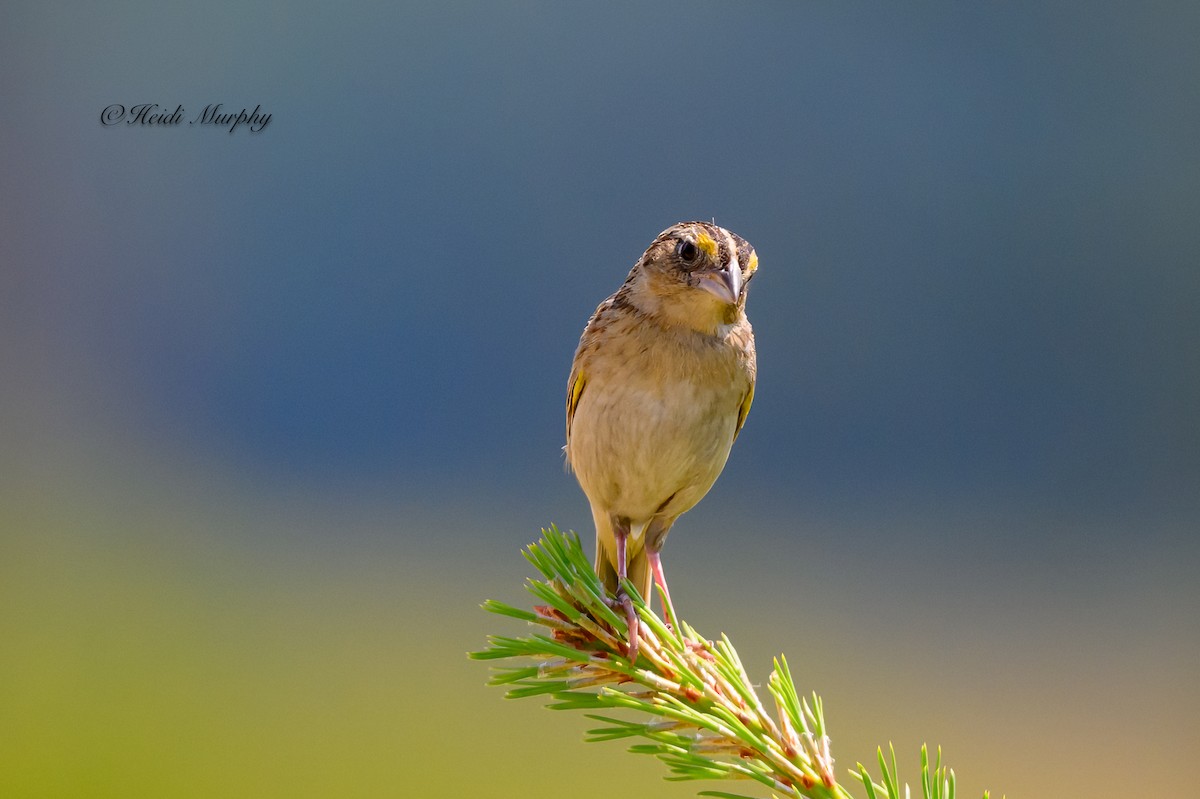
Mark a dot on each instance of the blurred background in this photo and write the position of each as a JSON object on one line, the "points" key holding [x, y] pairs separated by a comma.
{"points": [[279, 410]]}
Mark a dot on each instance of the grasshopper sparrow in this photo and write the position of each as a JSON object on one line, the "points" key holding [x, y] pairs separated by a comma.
{"points": [[659, 389]]}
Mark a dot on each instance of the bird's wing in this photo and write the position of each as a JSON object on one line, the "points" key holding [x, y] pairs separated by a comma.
{"points": [[574, 391], [743, 410], [578, 379]]}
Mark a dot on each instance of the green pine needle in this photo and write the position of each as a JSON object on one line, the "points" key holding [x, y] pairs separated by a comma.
{"points": [[699, 712]]}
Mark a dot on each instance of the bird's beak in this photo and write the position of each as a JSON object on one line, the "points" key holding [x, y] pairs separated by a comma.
{"points": [[724, 284]]}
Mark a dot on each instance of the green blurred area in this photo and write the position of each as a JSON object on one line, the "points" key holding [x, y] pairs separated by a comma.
{"points": [[145, 656], [162, 637]]}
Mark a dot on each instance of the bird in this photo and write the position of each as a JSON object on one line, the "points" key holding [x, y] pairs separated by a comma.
{"points": [[659, 389]]}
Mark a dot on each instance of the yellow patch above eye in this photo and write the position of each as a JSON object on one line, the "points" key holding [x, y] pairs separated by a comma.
{"points": [[750, 267], [708, 244]]}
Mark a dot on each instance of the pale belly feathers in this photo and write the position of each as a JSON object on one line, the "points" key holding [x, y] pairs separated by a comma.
{"points": [[642, 447]]}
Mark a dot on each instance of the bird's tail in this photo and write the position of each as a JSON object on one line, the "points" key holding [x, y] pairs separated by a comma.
{"points": [[637, 565]]}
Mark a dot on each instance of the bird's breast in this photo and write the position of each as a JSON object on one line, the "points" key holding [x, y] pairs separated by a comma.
{"points": [[655, 426]]}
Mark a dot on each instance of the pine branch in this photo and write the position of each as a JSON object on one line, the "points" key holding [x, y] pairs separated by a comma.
{"points": [[706, 722]]}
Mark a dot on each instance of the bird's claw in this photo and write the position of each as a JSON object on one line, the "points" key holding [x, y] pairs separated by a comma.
{"points": [[623, 602]]}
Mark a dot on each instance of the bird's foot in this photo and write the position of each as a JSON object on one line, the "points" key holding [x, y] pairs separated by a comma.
{"points": [[623, 602]]}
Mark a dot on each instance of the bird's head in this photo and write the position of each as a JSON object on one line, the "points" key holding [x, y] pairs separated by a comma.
{"points": [[694, 274]]}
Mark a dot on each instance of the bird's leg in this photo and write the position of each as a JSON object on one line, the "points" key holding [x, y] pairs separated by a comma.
{"points": [[621, 535], [656, 536], [660, 580]]}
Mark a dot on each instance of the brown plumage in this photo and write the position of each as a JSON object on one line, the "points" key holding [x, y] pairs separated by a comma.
{"points": [[659, 389]]}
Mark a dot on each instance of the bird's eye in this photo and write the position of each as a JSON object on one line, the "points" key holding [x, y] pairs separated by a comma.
{"points": [[688, 251]]}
